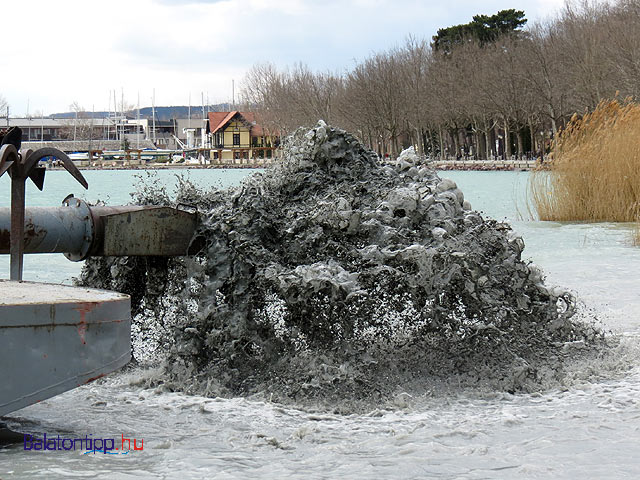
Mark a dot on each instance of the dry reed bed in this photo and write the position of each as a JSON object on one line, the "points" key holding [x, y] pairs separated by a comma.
{"points": [[594, 172]]}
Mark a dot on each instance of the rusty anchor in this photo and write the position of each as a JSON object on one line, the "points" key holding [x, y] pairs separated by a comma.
{"points": [[23, 164]]}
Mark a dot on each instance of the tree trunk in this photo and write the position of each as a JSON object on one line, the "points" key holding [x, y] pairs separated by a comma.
{"points": [[482, 145], [552, 115], [507, 142], [532, 132], [519, 137], [485, 145], [420, 141], [454, 137], [474, 143], [424, 140]]}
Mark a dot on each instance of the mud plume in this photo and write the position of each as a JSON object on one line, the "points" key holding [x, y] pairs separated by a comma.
{"points": [[334, 276]]}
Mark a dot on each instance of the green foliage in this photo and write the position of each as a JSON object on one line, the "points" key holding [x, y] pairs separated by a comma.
{"points": [[483, 29]]}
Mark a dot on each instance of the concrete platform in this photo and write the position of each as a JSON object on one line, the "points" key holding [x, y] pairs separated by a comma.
{"points": [[54, 338]]}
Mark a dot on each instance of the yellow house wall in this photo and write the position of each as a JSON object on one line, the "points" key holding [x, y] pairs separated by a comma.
{"points": [[226, 155], [245, 139], [265, 141]]}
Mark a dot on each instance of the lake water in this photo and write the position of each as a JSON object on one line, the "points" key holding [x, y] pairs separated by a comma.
{"points": [[587, 429]]}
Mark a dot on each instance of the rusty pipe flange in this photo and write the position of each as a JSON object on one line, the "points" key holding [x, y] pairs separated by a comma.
{"points": [[85, 214]]}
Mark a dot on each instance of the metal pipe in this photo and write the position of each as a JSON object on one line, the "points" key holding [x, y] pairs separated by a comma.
{"points": [[15, 228], [48, 229], [80, 231]]}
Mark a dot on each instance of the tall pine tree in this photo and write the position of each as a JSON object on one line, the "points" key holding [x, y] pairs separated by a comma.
{"points": [[483, 29]]}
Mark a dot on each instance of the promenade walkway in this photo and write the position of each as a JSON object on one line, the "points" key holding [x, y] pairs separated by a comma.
{"points": [[485, 164]]}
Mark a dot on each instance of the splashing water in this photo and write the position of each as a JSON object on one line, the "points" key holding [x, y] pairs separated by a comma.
{"points": [[332, 278]]}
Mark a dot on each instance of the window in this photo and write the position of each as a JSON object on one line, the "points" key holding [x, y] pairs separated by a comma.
{"points": [[236, 139]]}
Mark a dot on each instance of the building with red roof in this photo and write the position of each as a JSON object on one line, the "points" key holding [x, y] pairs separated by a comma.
{"points": [[236, 136]]}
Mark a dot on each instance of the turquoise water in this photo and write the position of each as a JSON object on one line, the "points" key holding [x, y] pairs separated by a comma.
{"points": [[595, 260], [500, 195], [115, 186]]}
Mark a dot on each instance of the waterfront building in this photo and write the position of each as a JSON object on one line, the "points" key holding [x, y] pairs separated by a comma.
{"points": [[236, 137]]}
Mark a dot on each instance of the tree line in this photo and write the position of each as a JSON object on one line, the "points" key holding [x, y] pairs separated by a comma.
{"points": [[487, 89]]}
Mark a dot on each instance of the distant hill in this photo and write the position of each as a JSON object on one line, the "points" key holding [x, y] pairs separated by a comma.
{"points": [[85, 114], [162, 113], [181, 111]]}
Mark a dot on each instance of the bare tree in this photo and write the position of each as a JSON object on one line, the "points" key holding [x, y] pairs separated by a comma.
{"points": [[81, 126], [622, 48], [264, 92], [452, 97], [4, 106], [584, 34], [546, 73], [375, 85], [415, 61]]}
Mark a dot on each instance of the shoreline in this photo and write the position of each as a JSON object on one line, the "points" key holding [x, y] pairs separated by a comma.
{"points": [[473, 165], [486, 165], [164, 166]]}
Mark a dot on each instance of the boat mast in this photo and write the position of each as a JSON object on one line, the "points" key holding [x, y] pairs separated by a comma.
{"points": [[153, 114], [122, 111], [138, 125], [203, 120]]}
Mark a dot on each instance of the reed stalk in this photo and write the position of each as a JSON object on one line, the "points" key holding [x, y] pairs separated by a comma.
{"points": [[594, 171]]}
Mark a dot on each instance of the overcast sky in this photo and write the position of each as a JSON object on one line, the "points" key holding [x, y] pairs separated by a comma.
{"points": [[58, 52]]}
